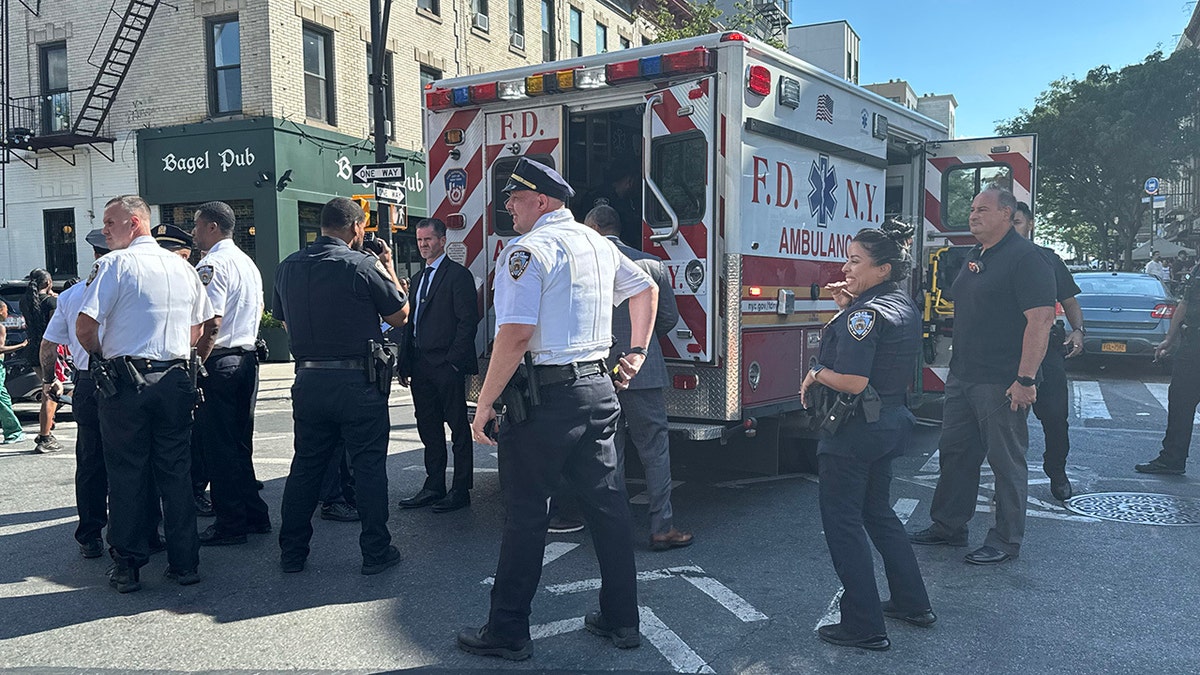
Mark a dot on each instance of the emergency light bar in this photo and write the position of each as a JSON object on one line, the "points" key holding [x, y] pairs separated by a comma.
{"points": [[698, 60]]}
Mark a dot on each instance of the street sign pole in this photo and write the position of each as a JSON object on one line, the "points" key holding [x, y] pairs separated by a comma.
{"points": [[381, 11]]}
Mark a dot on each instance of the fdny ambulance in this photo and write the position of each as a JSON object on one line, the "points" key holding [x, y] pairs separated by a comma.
{"points": [[756, 170]]}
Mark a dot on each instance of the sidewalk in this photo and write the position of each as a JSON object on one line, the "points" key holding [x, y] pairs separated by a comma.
{"points": [[275, 381]]}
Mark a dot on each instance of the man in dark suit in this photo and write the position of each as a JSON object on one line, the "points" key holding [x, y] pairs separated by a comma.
{"points": [[643, 410], [438, 352]]}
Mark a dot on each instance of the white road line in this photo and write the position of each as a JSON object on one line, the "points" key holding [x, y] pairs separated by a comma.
{"points": [[644, 497], [933, 464], [728, 599], [904, 509], [9, 530], [1089, 401], [545, 630], [765, 479], [1159, 391], [553, 551], [650, 575], [683, 659], [478, 469]]}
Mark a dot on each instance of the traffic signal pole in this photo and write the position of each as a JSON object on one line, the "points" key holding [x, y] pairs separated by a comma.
{"points": [[381, 11]]}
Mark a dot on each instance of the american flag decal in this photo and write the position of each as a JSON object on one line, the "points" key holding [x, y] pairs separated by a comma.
{"points": [[825, 108]]}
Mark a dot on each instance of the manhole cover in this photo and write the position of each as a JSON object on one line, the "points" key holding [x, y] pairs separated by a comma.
{"points": [[1137, 507]]}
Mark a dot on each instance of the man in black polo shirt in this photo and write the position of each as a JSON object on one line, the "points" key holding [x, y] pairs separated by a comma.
{"points": [[331, 297], [1003, 308]]}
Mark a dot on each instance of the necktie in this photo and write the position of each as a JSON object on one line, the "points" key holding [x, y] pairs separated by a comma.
{"points": [[421, 297]]}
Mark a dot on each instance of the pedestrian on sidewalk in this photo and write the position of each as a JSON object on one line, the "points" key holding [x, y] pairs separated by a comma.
{"points": [[8, 418]]}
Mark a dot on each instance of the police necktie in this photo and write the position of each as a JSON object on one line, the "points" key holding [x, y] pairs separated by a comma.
{"points": [[421, 299]]}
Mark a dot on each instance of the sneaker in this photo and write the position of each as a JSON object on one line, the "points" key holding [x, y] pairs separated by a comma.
{"points": [[124, 579], [564, 525], [47, 444], [481, 643], [339, 511], [182, 578], [91, 549], [390, 558], [624, 638], [15, 438], [1156, 465], [204, 506]]}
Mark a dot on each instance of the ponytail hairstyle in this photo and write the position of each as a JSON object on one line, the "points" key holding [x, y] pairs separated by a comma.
{"points": [[888, 245], [38, 279]]}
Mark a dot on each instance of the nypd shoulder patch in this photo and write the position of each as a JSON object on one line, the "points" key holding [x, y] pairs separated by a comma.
{"points": [[860, 322], [517, 262], [92, 275], [206, 273], [382, 269]]}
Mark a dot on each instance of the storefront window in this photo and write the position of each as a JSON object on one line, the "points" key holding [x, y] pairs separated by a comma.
{"points": [[183, 216]]}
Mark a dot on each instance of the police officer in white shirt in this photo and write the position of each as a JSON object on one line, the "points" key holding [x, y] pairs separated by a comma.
{"points": [[556, 289], [143, 310], [225, 419]]}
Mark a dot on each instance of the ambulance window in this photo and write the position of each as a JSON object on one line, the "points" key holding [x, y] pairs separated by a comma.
{"points": [[502, 222], [679, 166], [960, 185]]}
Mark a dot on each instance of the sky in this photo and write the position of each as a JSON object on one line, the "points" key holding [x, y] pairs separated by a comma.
{"points": [[997, 57]]}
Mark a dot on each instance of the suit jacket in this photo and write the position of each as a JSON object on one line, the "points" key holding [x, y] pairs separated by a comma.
{"points": [[447, 322], [654, 371]]}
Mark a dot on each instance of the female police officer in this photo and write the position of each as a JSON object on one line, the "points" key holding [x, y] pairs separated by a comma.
{"points": [[873, 340]]}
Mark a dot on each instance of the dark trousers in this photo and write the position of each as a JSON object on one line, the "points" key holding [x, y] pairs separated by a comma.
{"points": [[224, 429], [440, 398], [332, 409], [1182, 398], [569, 435], [855, 499], [146, 444], [338, 484], [199, 472], [1051, 408]]}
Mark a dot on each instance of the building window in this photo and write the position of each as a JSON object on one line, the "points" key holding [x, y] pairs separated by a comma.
{"points": [[626, 6], [61, 258], [625, 44], [547, 30], [429, 76], [576, 32], [318, 75], [431, 6], [479, 15], [516, 17], [56, 102], [388, 92], [224, 67], [601, 38]]}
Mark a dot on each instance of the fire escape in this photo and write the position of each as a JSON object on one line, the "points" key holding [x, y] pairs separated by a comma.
{"points": [[45, 121], [772, 18]]}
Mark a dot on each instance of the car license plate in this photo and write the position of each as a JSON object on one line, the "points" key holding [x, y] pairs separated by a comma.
{"points": [[1118, 347]]}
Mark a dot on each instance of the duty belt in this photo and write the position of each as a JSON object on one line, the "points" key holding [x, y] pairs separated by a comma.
{"points": [[144, 366], [229, 351], [343, 364], [568, 373]]}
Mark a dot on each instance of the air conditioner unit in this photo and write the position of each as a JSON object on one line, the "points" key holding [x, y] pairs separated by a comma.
{"points": [[480, 21], [517, 40]]}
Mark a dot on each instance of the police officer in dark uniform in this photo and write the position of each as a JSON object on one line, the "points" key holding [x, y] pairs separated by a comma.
{"points": [[1183, 345], [572, 413], [867, 350], [331, 296]]}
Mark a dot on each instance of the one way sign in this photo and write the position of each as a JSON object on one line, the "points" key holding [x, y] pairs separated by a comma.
{"points": [[366, 173], [389, 194]]}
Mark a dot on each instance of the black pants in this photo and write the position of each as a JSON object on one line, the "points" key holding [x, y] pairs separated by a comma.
{"points": [[338, 485], [569, 434], [1051, 408], [146, 444], [332, 409], [1182, 398], [856, 476], [440, 398], [224, 428]]}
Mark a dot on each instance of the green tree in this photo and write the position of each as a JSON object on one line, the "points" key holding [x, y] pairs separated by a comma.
{"points": [[1099, 138], [706, 18]]}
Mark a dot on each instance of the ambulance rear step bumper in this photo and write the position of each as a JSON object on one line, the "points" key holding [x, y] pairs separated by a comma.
{"points": [[693, 431]]}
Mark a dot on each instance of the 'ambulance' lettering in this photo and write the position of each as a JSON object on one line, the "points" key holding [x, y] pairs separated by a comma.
{"points": [[813, 243]]}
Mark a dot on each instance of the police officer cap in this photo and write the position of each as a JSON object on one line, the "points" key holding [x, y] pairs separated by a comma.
{"points": [[172, 238], [96, 239], [531, 175]]}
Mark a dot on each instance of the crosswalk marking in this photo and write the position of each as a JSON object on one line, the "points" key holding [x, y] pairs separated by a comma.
{"points": [[1159, 391], [1089, 402]]}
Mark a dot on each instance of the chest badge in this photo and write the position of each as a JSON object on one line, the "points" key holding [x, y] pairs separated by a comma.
{"points": [[206, 274], [517, 262], [860, 322]]}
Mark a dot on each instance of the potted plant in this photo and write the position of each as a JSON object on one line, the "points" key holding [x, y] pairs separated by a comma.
{"points": [[270, 329]]}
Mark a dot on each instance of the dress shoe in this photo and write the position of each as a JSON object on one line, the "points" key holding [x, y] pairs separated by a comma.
{"points": [[291, 565], [340, 512], [924, 618], [480, 643], [453, 501], [182, 578], [422, 498], [986, 555], [1060, 487], [203, 506], [124, 579], [391, 557], [624, 638], [564, 525], [156, 545], [211, 536], [92, 549], [1156, 465], [835, 634], [671, 539], [931, 536]]}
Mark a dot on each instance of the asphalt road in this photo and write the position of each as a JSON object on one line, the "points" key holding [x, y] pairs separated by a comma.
{"points": [[1087, 595]]}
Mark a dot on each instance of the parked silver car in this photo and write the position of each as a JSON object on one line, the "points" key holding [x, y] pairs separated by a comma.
{"points": [[1125, 314]]}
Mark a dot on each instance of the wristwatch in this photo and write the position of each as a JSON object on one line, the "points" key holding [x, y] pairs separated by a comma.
{"points": [[816, 369], [1026, 381], [637, 350]]}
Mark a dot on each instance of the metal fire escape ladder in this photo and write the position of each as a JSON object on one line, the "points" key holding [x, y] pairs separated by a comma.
{"points": [[115, 66]]}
